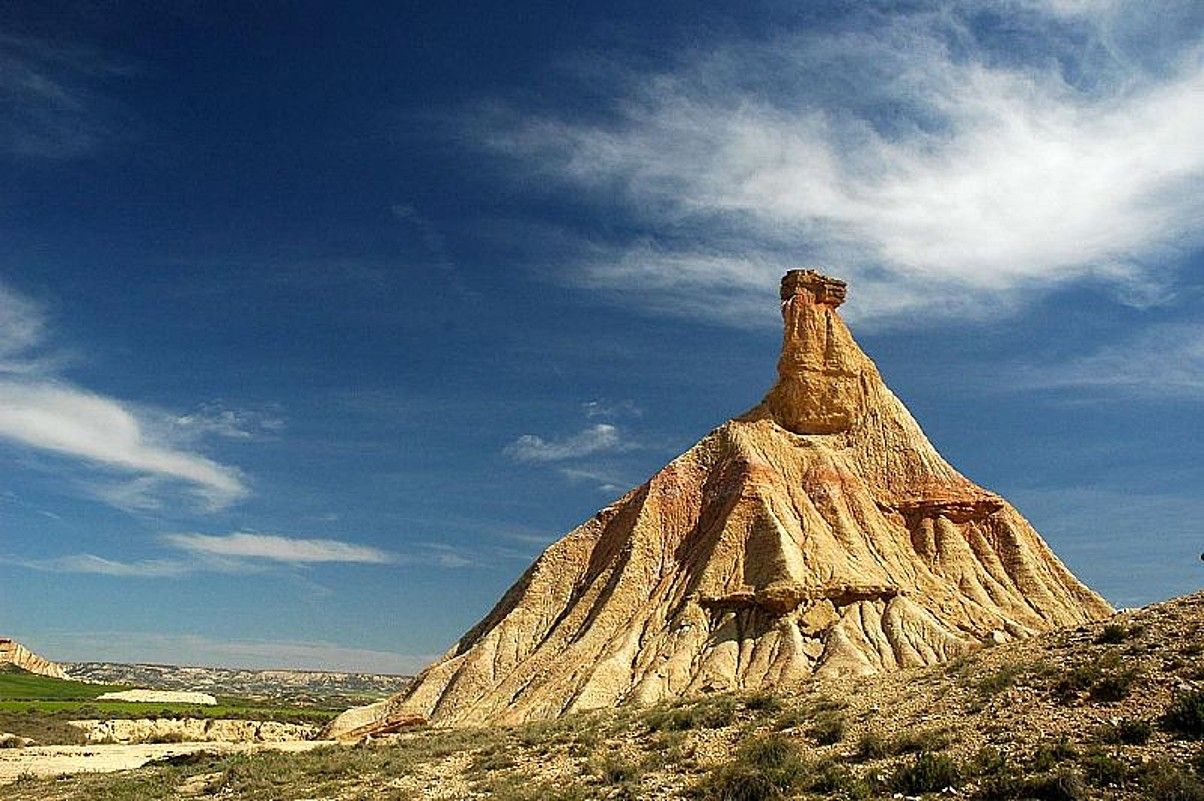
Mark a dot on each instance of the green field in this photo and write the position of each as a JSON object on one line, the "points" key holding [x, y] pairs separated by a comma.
{"points": [[19, 685], [39, 707]]}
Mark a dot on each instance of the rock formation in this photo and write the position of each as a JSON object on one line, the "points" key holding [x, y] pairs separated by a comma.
{"points": [[14, 653], [160, 697], [818, 533], [191, 730]]}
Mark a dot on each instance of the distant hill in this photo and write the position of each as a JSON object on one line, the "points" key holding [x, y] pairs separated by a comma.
{"points": [[294, 686], [16, 654]]}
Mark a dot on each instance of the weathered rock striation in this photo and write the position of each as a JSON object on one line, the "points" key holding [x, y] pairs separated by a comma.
{"points": [[818, 533], [14, 653], [192, 730]]}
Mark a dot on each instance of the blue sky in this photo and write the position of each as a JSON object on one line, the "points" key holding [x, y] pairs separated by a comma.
{"points": [[316, 327]]}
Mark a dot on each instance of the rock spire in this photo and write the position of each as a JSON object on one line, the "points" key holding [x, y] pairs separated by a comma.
{"points": [[819, 533]]}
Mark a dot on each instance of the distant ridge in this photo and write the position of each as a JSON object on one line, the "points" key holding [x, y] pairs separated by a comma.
{"points": [[818, 534], [15, 654]]}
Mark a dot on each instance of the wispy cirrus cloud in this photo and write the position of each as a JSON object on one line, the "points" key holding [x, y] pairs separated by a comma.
{"points": [[1163, 362], [98, 565], [42, 411], [277, 548], [249, 552], [598, 438], [214, 419], [605, 480], [49, 104], [607, 409], [941, 166]]}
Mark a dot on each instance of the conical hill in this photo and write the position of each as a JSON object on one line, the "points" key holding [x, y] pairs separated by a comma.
{"points": [[818, 533]]}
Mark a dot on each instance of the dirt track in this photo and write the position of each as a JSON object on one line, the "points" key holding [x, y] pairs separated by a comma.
{"points": [[57, 760]]}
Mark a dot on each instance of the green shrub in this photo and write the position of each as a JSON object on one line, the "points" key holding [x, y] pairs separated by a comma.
{"points": [[828, 728], [1112, 634], [673, 744], [873, 746], [1049, 755], [829, 777], [1104, 770], [989, 761], [997, 681], [1061, 785], [1127, 731], [770, 753], [710, 713], [926, 773], [807, 712], [1162, 781], [614, 770], [1076, 680], [762, 701], [913, 742], [1185, 715], [735, 783], [1113, 686], [765, 767], [1105, 679]]}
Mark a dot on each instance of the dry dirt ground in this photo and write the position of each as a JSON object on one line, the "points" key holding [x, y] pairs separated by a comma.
{"points": [[64, 760], [1112, 710]]}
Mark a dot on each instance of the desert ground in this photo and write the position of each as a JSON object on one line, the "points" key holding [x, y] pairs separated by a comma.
{"points": [[1110, 710]]}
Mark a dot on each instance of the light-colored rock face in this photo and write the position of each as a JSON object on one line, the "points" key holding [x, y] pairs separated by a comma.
{"points": [[818, 533], [14, 653], [192, 730], [160, 697]]}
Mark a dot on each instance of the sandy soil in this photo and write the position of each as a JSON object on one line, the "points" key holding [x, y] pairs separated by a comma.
{"points": [[57, 760]]}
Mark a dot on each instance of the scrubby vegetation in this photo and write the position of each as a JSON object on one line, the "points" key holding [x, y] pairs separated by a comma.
{"points": [[1185, 717], [1079, 715]]}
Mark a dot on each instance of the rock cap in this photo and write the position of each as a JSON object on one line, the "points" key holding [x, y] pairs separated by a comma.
{"points": [[822, 289]]}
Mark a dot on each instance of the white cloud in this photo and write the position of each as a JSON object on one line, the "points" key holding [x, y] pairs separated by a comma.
{"points": [[23, 332], [611, 409], [936, 172], [42, 411], [89, 563], [273, 547], [605, 481], [598, 438], [48, 108], [217, 420], [1165, 361], [246, 552], [64, 419]]}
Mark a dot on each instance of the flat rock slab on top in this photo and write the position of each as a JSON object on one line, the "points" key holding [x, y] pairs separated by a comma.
{"points": [[818, 533]]}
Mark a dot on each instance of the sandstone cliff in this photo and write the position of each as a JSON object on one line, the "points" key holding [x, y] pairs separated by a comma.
{"points": [[819, 533], [14, 653]]}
